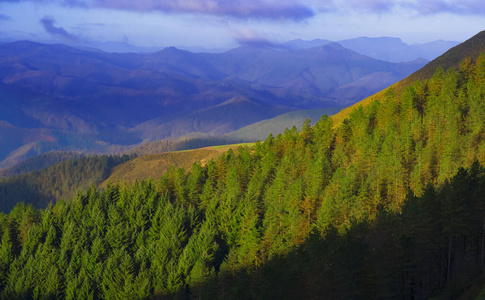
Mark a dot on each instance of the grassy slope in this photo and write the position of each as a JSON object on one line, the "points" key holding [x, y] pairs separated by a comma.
{"points": [[155, 165], [184, 143], [276, 125], [472, 48]]}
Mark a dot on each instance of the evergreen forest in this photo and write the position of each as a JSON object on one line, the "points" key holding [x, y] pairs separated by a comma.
{"points": [[390, 204], [59, 181]]}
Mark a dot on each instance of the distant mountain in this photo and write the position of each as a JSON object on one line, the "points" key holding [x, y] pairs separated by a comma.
{"points": [[307, 76], [216, 120], [277, 125], [302, 44], [55, 97], [395, 50], [383, 48]]}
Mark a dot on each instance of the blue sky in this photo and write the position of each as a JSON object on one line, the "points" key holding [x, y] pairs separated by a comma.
{"points": [[223, 24]]}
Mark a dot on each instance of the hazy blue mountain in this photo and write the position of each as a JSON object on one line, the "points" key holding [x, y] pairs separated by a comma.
{"points": [[395, 50], [216, 120], [55, 97], [383, 48], [261, 130], [307, 76], [302, 44]]}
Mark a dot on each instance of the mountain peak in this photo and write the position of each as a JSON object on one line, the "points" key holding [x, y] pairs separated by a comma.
{"points": [[328, 46], [171, 50]]}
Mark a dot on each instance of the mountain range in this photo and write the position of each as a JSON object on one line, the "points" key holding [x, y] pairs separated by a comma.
{"points": [[382, 48], [55, 97]]}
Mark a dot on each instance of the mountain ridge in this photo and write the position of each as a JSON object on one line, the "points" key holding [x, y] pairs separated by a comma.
{"points": [[471, 48], [106, 97]]}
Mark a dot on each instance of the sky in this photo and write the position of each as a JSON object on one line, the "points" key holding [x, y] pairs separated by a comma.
{"points": [[223, 24]]}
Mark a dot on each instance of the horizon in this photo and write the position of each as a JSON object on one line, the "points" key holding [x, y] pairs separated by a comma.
{"points": [[120, 47]]}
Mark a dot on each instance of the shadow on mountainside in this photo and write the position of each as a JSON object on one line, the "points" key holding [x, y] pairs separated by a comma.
{"points": [[433, 248]]}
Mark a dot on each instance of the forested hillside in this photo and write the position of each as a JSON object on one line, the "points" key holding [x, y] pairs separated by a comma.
{"points": [[59, 181], [388, 205], [471, 48]]}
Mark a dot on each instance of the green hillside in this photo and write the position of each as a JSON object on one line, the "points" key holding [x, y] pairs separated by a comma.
{"points": [[379, 208], [59, 181], [277, 125], [471, 49], [387, 204]]}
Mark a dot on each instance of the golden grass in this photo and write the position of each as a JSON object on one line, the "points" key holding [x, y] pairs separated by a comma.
{"points": [[155, 165], [345, 113]]}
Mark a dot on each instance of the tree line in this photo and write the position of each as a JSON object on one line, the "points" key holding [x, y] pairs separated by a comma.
{"points": [[59, 181]]}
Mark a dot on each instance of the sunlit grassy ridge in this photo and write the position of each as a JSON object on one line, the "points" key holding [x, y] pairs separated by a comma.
{"points": [[471, 48], [155, 165]]}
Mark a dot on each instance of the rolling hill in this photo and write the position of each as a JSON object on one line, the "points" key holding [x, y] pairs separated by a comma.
{"points": [[277, 125], [54, 97], [216, 120], [155, 165]]}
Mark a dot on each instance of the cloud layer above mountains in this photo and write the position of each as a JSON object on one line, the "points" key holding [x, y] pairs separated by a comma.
{"points": [[228, 23], [276, 10]]}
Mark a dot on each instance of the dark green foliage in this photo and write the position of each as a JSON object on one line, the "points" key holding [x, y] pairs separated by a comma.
{"points": [[39, 162], [59, 181], [389, 205]]}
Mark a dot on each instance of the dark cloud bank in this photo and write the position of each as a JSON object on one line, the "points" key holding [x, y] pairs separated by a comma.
{"points": [[276, 10], [48, 23], [239, 9]]}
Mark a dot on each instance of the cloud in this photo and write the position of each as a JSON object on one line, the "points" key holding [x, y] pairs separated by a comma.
{"points": [[421, 7], [375, 6], [295, 10], [243, 9], [4, 17], [251, 38], [258, 9], [461, 7], [48, 23], [291, 9]]}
